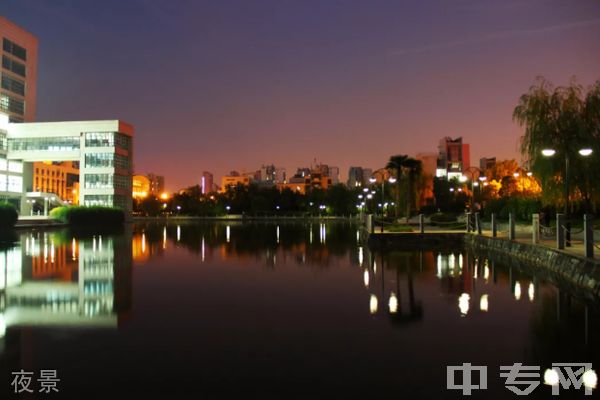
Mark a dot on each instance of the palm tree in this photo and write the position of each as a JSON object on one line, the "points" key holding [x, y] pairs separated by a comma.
{"points": [[414, 168], [408, 168], [396, 163]]}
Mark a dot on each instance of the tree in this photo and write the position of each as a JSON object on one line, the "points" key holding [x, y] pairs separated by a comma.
{"points": [[407, 171], [565, 119], [396, 164], [414, 169]]}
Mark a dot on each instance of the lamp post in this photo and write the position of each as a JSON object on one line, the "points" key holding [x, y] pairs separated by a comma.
{"points": [[471, 171], [585, 152], [391, 179]]}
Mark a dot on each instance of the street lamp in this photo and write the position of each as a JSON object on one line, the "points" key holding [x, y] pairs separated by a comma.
{"points": [[391, 179], [585, 152]]}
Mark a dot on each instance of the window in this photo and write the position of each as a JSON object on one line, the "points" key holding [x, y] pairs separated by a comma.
{"points": [[99, 181], [106, 160], [13, 66], [3, 164], [98, 200], [100, 139], [15, 184], [14, 49], [15, 166], [122, 141], [3, 181], [3, 141], [14, 85], [122, 182], [99, 160], [12, 104], [44, 144]]}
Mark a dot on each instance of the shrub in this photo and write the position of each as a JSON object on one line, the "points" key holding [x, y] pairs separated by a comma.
{"points": [[8, 216], [85, 216], [523, 207]]}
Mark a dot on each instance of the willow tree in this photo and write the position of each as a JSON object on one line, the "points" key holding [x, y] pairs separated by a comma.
{"points": [[566, 120]]}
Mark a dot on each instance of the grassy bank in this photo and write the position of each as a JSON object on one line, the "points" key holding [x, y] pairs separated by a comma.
{"points": [[89, 216]]}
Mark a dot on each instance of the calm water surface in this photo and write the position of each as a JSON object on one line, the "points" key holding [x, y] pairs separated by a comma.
{"points": [[272, 311]]}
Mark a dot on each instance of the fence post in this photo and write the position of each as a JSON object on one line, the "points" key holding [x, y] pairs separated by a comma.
{"points": [[468, 222], [494, 225], [535, 228], [477, 223], [560, 231], [511, 226], [588, 235], [421, 223]]}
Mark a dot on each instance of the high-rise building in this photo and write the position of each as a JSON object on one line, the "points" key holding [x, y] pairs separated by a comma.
{"points": [[140, 187], [453, 158], [486, 163], [429, 164], [355, 177], [206, 182], [280, 176], [157, 184], [334, 174], [19, 72]]}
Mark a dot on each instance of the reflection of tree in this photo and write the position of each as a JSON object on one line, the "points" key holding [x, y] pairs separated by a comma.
{"points": [[404, 263], [312, 242]]}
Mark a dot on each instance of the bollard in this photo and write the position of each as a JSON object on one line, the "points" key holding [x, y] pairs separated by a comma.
{"points": [[477, 223], [588, 235], [370, 227], [511, 226], [494, 226], [560, 231], [421, 223], [535, 228], [468, 222]]}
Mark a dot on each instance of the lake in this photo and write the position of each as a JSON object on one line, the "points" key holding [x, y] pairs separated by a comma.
{"points": [[271, 310]]}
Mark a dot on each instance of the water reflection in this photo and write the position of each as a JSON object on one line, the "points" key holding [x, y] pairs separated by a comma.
{"points": [[56, 280], [231, 284]]}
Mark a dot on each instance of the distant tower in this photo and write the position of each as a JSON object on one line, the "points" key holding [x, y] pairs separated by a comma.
{"points": [[206, 183]]}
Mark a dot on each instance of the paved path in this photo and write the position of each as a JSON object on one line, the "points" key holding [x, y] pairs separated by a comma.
{"points": [[523, 234]]}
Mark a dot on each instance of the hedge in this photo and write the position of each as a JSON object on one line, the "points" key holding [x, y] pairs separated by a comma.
{"points": [[443, 219], [8, 216], [85, 216]]}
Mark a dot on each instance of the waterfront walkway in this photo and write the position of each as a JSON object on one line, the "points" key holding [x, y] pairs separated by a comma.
{"points": [[523, 234]]}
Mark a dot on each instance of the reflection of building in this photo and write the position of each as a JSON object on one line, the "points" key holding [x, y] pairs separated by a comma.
{"points": [[19, 72], [454, 158], [140, 186], [102, 148], [206, 182], [157, 184], [73, 283], [60, 178]]}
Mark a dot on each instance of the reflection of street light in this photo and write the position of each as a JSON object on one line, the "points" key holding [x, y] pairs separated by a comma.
{"points": [[393, 303]]}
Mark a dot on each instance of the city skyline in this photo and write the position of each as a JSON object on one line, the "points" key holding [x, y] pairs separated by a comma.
{"points": [[201, 82]]}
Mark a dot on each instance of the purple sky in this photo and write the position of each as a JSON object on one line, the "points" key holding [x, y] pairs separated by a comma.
{"points": [[223, 85]]}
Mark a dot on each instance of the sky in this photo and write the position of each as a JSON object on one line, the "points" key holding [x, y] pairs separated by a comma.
{"points": [[233, 84]]}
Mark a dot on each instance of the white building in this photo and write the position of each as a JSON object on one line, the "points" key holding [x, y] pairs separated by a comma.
{"points": [[104, 150]]}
